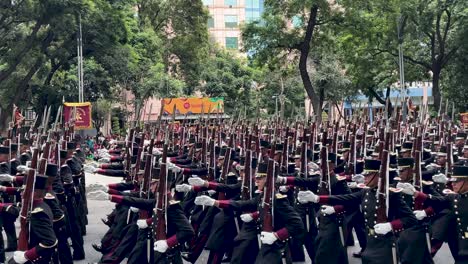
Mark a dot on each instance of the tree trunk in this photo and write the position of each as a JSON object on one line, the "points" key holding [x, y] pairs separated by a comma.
{"points": [[435, 87], [305, 48]]}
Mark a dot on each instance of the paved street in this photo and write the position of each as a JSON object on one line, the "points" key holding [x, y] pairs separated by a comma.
{"points": [[99, 208]]}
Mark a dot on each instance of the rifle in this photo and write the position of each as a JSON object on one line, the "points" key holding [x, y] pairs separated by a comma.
{"points": [[382, 189], [325, 185], [247, 180], [225, 171], [128, 153], [161, 202], [26, 207], [269, 190], [212, 168]]}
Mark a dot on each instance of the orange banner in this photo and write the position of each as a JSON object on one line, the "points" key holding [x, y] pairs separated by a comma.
{"points": [[212, 105], [83, 119]]}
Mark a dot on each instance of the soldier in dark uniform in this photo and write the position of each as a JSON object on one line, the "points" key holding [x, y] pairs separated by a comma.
{"points": [[412, 242], [286, 220], [179, 229], [42, 240], [457, 202], [64, 255], [380, 237]]}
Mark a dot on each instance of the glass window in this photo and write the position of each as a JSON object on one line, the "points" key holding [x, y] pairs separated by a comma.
{"points": [[252, 3], [252, 15], [297, 21], [230, 2], [207, 2], [231, 43], [230, 21], [210, 22]]}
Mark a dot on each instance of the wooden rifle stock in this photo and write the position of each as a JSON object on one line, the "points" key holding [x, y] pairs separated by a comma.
{"points": [[144, 190], [268, 193], [160, 223], [382, 189], [27, 195]]}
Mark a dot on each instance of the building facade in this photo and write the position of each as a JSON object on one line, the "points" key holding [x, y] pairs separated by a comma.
{"points": [[226, 17]]}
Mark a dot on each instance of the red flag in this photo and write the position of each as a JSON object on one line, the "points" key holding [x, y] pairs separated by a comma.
{"points": [[18, 116]]}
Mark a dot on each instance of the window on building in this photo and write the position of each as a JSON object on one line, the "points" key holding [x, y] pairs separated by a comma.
{"points": [[252, 3], [230, 2], [210, 22], [231, 43], [207, 2], [252, 15], [230, 21]]}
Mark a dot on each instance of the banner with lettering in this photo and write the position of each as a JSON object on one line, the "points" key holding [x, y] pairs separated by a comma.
{"points": [[82, 111], [464, 119]]}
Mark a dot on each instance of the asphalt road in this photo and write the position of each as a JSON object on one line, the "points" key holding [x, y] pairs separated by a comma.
{"points": [[99, 208]]}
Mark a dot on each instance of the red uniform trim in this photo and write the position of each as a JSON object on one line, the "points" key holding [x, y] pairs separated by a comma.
{"points": [[172, 241], [324, 199], [212, 185], [117, 198], [223, 203], [31, 254], [282, 234], [397, 225], [290, 180]]}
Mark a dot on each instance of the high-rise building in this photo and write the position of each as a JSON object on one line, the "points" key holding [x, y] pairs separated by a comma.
{"points": [[226, 16]]}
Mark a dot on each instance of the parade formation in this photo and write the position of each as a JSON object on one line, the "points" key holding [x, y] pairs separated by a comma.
{"points": [[248, 191]]}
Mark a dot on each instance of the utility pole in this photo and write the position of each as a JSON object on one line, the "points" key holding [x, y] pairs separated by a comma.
{"points": [[80, 62]]}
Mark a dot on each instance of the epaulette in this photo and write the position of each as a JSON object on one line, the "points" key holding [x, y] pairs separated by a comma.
{"points": [[362, 186], [37, 210], [172, 202], [341, 178], [448, 191], [395, 190], [49, 196], [427, 182], [280, 196]]}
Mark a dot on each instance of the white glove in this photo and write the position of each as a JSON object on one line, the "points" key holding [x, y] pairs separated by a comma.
{"points": [[358, 178], [104, 160], [157, 151], [352, 185], [312, 166], [176, 169], [6, 177], [134, 209], [246, 218], [142, 224], [161, 246], [22, 168], [268, 237], [90, 169], [195, 181], [281, 180], [382, 229], [307, 196], [406, 188], [328, 210], [183, 188], [18, 257], [283, 188], [204, 200], [127, 191], [432, 166], [93, 164], [211, 192], [440, 178], [420, 214]]}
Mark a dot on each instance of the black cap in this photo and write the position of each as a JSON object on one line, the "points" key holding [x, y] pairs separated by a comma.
{"points": [[63, 154], [254, 163], [71, 146], [291, 168], [4, 168], [460, 172], [4, 150], [332, 157], [406, 146], [371, 165], [359, 166], [66, 174], [339, 169], [393, 160], [40, 182], [264, 144], [51, 170], [25, 157], [14, 147], [262, 170], [405, 163], [346, 146], [14, 163]]}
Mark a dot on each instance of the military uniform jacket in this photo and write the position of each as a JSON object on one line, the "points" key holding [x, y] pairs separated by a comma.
{"points": [[42, 240], [458, 203]]}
